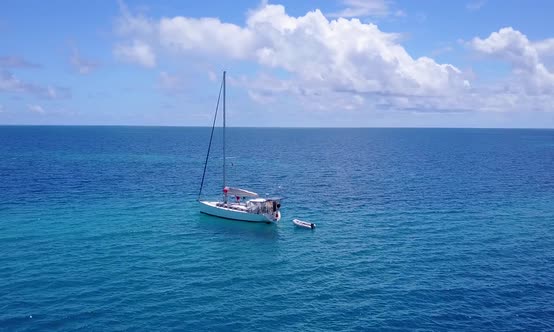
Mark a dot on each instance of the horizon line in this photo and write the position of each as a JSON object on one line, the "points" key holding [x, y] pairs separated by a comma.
{"points": [[263, 127]]}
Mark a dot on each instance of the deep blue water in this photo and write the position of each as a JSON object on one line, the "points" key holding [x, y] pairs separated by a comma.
{"points": [[430, 229]]}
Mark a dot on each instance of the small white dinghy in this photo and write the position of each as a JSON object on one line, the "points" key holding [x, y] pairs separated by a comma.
{"points": [[305, 224]]}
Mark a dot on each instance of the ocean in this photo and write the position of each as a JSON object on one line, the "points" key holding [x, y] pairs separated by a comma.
{"points": [[417, 229]]}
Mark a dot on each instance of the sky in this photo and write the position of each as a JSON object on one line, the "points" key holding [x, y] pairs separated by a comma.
{"points": [[332, 63]]}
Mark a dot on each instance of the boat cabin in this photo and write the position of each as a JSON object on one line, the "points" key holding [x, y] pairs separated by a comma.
{"points": [[263, 205]]}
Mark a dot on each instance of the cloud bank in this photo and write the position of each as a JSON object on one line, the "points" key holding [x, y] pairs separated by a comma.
{"points": [[341, 60]]}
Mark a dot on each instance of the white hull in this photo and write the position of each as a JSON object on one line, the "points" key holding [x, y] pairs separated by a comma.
{"points": [[253, 209], [304, 224], [211, 208]]}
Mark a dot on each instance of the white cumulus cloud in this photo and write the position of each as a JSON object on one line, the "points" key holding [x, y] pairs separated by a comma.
{"points": [[346, 54], [545, 47], [337, 54], [206, 35], [526, 58]]}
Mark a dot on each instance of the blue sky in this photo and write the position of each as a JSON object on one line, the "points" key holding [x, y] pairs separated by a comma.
{"points": [[344, 63]]}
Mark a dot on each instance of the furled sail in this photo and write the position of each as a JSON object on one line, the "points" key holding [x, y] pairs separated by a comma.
{"points": [[239, 192]]}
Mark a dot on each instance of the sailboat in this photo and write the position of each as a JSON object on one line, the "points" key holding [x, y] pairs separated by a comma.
{"points": [[237, 204]]}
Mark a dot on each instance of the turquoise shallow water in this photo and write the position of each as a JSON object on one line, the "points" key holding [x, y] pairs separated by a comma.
{"points": [[430, 229]]}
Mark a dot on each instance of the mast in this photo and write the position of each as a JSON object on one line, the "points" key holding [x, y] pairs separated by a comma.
{"points": [[224, 183], [210, 144]]}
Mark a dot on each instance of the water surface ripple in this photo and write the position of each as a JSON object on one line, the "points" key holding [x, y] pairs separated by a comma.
{"points": [[429, 229]]}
